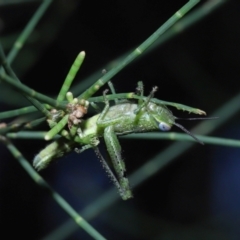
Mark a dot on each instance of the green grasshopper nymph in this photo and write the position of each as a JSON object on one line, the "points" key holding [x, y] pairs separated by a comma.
{"points": [[120, 119]]}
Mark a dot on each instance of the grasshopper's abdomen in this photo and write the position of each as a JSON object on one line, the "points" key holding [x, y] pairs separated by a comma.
{"points": [[53, 151]]}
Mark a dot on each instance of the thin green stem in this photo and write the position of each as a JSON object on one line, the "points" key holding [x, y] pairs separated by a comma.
{"points": [[32, 93], [70, 76], [34, 123], [17, 112], [28, 30], [57, 128], [173, 136], [27, 135], [178, 28], [184, 137], [139, 50], [14, 127], [11, 73], [58, 198], [11, 128]]}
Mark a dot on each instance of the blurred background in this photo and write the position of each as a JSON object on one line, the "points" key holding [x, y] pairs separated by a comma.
{"points": [[197, 196]]}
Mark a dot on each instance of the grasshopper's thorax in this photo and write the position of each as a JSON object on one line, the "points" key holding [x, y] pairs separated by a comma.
{"points": [[129, 120]]}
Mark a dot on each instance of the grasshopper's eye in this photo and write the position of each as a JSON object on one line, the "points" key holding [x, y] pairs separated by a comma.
{"points": [[164, 126]]}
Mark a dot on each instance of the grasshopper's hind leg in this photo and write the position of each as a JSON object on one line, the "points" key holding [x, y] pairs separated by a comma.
{"points": [[114, 150]]}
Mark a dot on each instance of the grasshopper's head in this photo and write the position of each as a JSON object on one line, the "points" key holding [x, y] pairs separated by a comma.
{"points": [[162, 115], [166, 120]]}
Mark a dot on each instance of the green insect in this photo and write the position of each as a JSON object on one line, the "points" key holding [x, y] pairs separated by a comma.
{"points": [[120, 119], [66, 120]]}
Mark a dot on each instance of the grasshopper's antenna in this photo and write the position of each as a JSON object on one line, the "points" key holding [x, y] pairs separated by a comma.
{"points": [[198, 118], [189, 133]]}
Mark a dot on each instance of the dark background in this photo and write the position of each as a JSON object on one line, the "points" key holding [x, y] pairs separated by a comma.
{"points": [[195, 197]]}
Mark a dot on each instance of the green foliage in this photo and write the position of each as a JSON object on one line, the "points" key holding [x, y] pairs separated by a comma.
{"points": [[58, 112]]}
